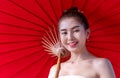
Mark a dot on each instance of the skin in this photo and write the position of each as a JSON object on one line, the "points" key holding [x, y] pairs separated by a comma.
{"points": [[73, 37]]}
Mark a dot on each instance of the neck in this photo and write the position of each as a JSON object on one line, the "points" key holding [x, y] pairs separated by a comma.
{"points": [[80, 56]]}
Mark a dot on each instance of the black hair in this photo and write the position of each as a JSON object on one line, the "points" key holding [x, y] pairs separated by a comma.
{"points": [[74, 12]]}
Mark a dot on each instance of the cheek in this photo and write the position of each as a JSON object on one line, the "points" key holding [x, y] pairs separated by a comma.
{"points": [[80, 36], [77, 35], [63, 40]]}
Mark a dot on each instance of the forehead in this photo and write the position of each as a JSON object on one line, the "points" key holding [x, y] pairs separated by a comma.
{"points": [[68, 23]]}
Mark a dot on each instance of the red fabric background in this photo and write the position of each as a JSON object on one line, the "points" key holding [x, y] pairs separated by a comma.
{"points": [[24, 22]]}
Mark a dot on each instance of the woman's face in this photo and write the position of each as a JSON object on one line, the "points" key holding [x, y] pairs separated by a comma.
{"points": [[72, 34]]}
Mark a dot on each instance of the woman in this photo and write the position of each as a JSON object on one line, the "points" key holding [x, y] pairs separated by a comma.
{"points": [[74, 32]]}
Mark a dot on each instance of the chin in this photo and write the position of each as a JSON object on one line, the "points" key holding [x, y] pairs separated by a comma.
{"points": [[73, 49]]}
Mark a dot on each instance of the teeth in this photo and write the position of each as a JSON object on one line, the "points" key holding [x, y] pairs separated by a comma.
{"points": [[72, 43]]}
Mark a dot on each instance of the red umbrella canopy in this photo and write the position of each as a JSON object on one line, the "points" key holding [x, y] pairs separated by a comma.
{"points": [[23, 23]]}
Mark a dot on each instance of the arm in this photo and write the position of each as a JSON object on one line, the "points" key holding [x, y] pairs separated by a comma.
{"points": [[105, 69], [52, 72]]}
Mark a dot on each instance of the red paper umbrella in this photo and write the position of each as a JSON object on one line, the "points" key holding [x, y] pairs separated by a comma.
{"points": [[23, 23]]}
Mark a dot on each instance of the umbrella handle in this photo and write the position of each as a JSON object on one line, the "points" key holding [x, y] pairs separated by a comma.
{"points": [[58, 66]]}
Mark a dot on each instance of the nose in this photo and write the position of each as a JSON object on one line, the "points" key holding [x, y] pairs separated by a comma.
{"points": [[70, 36]]}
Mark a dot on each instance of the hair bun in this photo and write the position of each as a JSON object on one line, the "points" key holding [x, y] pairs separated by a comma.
{"points": [[71, 10]]}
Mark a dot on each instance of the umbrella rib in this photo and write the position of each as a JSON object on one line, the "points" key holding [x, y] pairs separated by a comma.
{"points": [[17, 26], [17, 59], [29, 12], [104, 18], [28, 66], [46, 44], [37, 2], [46, 40], [23, 19], [108, 42], [46, 68], [53, 10], [102, 48], [50, 62], [61, 5], [52, 37], [56, 37], [49, 51], [16, 42], [47, 47], [96, 9], [18, 49], [106, 27], [86, 1], [107, 35], [47, 61], [72, 3], [99, 8], [20, 34]]}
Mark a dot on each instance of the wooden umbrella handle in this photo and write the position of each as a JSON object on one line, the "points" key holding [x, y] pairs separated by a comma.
{"points": [[58, 66]]}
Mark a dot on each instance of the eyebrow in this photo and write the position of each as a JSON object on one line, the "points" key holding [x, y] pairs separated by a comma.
{"points": [[72, 28], [75, 27]]}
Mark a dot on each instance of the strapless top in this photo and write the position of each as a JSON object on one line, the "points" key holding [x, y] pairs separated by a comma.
{"points": [[72, 76]]}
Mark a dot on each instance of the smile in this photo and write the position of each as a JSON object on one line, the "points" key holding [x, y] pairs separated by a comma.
{"points": [[72, 44]]}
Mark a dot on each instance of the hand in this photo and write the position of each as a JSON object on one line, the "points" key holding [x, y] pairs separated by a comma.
{"points": [[58, 50]]}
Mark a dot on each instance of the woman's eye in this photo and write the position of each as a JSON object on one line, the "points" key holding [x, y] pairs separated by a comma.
{"points": [[64, 33], [76, 30]]}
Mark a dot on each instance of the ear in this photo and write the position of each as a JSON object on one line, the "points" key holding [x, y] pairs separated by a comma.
{"points": [[87, 33]]}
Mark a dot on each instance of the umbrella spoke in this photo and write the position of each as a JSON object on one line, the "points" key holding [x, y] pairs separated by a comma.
{"points": [[20, 27], [19, 49], [56, 36], [23, 19], [52, 37], [16, 42], [19, 34], [53, 9], [29, 12], [45, 12], [46, 45], [49, 51], [29, 65], [47, 41]]}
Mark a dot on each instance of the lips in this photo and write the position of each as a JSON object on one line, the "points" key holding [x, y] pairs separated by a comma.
{"points": [[72, 44]]}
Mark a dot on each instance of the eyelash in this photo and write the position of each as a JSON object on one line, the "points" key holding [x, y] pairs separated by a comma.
{"points": [[64, 33], [76, 30]]}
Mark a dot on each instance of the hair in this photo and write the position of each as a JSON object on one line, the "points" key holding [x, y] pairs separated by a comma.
{"points": [[74, 12]]}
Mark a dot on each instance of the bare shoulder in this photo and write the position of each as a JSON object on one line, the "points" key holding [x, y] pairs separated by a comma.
{"points": [[101, 62], [52, 71], [104, 68]]}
